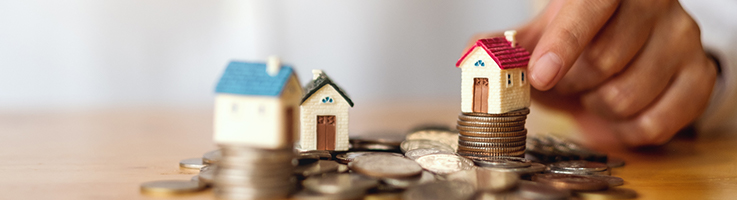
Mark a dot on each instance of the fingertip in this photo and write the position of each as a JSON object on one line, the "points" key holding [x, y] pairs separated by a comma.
{"points": [[544, 72]]}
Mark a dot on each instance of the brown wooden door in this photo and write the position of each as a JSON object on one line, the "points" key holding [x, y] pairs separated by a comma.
{"points": [[289, 125], [326, 132], [480, 95]]}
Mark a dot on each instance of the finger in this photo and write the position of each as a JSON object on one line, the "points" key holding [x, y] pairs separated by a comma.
{"points": [[683, 101], [612, 48], [645, 79], [565, 37]]}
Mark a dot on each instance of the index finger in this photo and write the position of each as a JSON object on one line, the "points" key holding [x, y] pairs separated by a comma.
{"points": [[566, 36]]}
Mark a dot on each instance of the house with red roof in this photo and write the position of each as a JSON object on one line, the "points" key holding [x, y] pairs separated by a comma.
{"points": [[494, 76]]}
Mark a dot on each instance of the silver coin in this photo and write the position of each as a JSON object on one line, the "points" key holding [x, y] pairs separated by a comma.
{"points": [[444, 163], [579, 165], [612, 180], [207, 175], [501, 162], [447, 137], [416, 153], [192, 163], [346, 158], [440, 190], [385, 166], [559, 171], [320, 167], [533, 168], [424, 144], [333, 183], [533, 190], [486, 179], [404, 183], [212, 156], [170, 187]]}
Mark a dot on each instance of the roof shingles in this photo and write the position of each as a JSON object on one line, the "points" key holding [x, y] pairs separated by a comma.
{"points": [[502, 52], [251, 79]]}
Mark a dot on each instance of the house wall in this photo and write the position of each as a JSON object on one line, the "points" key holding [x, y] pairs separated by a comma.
{"points": [[501, 98], [257, 121], [312, 107]]}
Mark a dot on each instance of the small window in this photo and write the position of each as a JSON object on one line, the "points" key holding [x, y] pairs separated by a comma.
{"points": [[479, 63], [262, 109], [327, 100], [522, 78], [509, 79]]}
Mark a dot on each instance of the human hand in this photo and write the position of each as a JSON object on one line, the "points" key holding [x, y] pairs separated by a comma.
{"points": [[631, 73]]}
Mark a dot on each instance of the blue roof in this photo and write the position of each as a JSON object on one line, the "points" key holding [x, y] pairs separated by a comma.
{"points": [[251, 79]]}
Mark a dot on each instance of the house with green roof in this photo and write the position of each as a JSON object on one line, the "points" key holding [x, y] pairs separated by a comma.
{"points": [[257, 105], [324, 115]]}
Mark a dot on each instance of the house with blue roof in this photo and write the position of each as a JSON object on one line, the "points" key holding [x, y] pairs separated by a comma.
{"points": [[257, 105]]}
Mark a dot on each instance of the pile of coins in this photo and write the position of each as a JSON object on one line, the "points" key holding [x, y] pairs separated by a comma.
{"points": [[251, 173], [429, 168], [492, 135]]}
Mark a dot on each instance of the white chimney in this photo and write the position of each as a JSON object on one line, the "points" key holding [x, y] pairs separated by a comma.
{"points": [[273, 65], [510, 34], [316, 74]]}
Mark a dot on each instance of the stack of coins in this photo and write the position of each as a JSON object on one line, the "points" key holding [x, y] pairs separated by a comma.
{"points": [[251, 173], [492, 135]]}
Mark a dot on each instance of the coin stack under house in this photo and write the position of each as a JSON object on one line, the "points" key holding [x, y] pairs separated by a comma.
{"points": [[251, 173], [485, 135]]}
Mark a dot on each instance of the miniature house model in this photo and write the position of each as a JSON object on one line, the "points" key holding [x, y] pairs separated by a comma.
{"points": [[494, 76], [256, 105], [324, 120]]}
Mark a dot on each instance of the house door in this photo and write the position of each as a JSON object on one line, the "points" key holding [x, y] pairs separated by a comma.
{"points": [[326, 132], [289, 124], [480, 95]]}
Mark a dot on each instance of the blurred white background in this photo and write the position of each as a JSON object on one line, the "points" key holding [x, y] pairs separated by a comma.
{"points": [[121, 53]]}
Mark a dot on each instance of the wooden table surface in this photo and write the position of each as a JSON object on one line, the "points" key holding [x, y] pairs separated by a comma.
{"points": [[107, 154]]}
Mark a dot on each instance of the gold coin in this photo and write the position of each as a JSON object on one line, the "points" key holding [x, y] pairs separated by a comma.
{"points": [[523, 111], [489, 129], [491, 124], [493, 134], [171, 187], [491, 144], [491, 119], [492, 139]]}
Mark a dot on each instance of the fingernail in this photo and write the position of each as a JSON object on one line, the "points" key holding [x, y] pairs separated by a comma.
{"points": [[546, 69]]}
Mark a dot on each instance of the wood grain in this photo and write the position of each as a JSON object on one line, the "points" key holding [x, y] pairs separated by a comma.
{"points": [[107, 154]]}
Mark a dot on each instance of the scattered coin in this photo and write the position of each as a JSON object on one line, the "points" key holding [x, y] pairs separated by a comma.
{"points": [[533, 190], [486, 179], [170, 187], [519, 112], [447, 137], [404, 183], [424, 144], [612, 180], [440, 190], [392, 139], [579, 165], [571, 182], [346, 158], [385, 166], [416, 153], [333, 183], [211, 157], [614, 162], [501, 162], [320, 167], [192, 163], [325, 155], [207, 175], [533, 168], [611, 193], [444, 163]]}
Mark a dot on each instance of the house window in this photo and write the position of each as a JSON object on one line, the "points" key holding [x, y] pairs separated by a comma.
{"points": [[522, 78], [327, 100], [262, 109], [479, 63], [509, 80]]}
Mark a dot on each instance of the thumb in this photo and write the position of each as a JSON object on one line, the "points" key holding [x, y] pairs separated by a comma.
{"points": [[566, 36]]}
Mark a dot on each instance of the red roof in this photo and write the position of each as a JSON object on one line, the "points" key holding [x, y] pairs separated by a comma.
{"points": [[502, 52]]}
